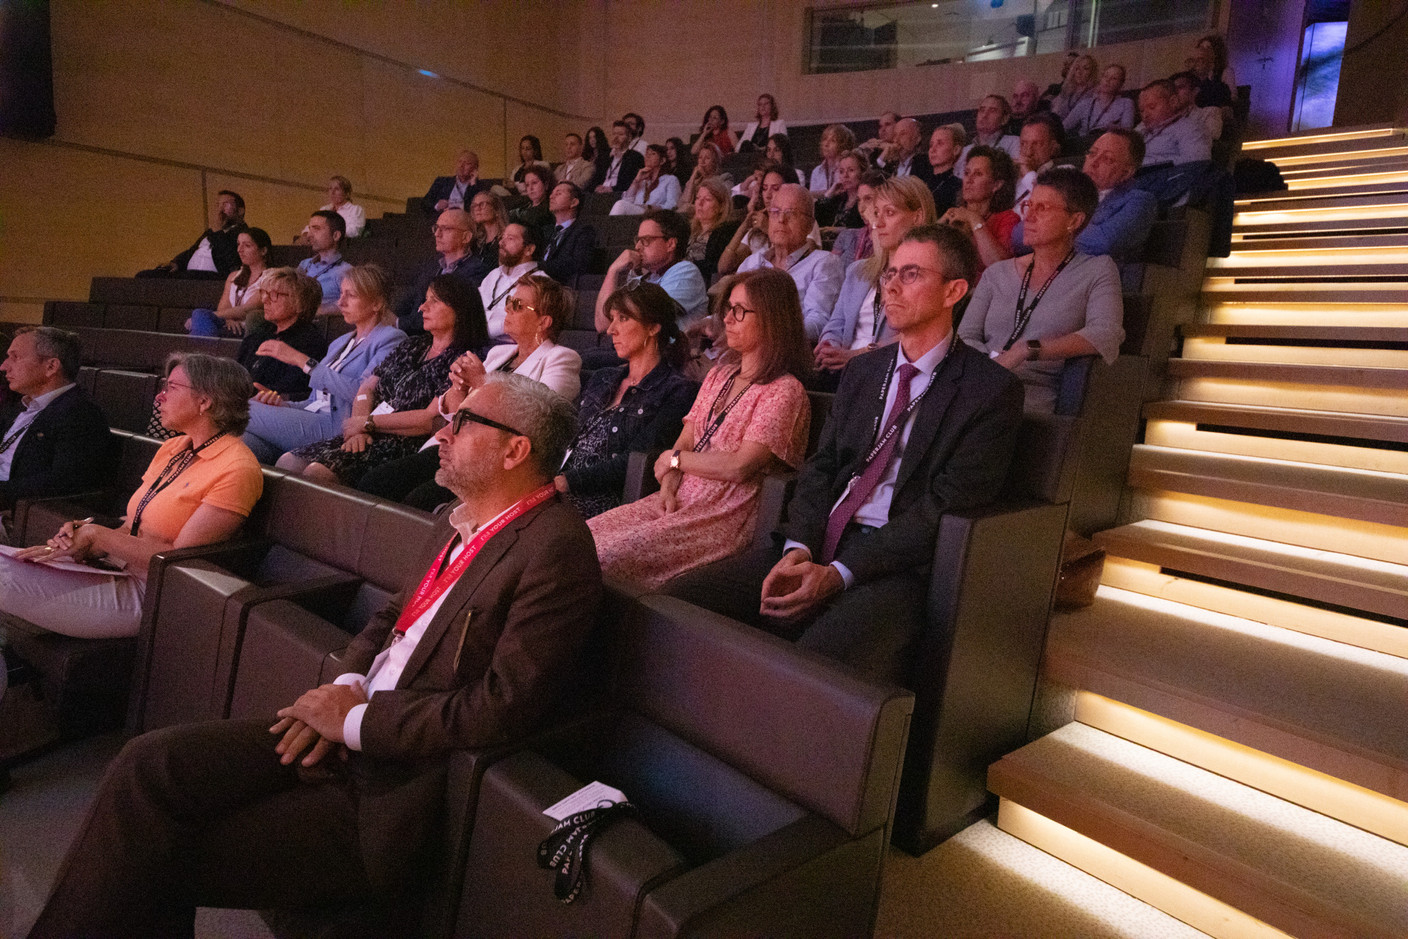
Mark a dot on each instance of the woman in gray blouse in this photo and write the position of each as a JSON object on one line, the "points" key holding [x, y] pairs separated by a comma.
{"points": [[1033, 312]]}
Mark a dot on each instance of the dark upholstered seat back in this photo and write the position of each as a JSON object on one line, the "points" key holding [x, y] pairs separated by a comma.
{"points": [[792, 721], [325, 524], [1042, 465]]}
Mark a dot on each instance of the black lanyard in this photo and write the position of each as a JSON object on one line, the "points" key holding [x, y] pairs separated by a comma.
{"points": [[894, 428], [9, 441], [178, 465], [514, 283], [877, 321], [703, 442], [1024, 312]]}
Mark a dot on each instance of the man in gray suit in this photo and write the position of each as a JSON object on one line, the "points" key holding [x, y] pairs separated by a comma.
{"points": [[337, 802]]}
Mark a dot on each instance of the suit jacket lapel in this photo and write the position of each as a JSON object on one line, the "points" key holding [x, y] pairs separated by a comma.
{"points": [[943, 389]]}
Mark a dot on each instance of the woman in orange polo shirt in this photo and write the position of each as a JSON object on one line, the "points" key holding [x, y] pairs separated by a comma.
{"points": [[199, 489]]}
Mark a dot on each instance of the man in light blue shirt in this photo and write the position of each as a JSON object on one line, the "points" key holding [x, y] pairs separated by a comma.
{"points": [[658, 258], [326, 229], [817, 273]]}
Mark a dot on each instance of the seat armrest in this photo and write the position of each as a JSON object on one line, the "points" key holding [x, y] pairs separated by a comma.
{"points": [[640, 475], [776, 492], [32, 511]]}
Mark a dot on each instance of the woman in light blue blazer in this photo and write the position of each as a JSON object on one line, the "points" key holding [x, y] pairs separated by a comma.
{"points": [[276, 425]]}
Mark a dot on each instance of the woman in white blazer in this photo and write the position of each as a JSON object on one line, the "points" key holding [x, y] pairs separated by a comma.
{"points": [[764, 125], [277, 425], [535, 314]]}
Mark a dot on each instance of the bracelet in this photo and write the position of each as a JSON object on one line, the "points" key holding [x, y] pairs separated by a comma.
{"points": [[369, 428]]}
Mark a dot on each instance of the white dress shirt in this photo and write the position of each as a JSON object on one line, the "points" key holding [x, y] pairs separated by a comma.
{"points": [[495, 289], [20, 427]]}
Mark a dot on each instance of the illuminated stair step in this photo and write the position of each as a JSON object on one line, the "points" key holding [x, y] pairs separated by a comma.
{"points": [[1335, 491], [1361, 267], [1382, 149], [1324, 331], [1363, 379], [984, 882], [1349, 138], [1267, 348], [1222, 289], [1296, 201], [1352, 184], [1360, 441], [1290, 868], [1353, 254], [1326, 705], [1334, 625], [1372, 161], [1364, 238], [1311, 215], [1291, 313], [1353, 583]]}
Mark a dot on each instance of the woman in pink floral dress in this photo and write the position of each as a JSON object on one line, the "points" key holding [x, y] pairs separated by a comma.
{"points": [[750, 419]]}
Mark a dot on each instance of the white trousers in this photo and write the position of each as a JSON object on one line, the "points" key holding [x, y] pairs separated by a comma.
{"points": [[89, 606]]}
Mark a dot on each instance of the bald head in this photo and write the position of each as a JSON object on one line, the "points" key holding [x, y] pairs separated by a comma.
{"points": [[466, 165], [1025, 95]]}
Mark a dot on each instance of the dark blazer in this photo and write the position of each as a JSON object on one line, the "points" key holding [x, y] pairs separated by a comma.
{"points": [[957, 457], [492, 664], [919, 167], [224, 245], [947, 189], [631, 163], [470, 269], [573, 254], [443, 186], [67, 449], [287, 380]]}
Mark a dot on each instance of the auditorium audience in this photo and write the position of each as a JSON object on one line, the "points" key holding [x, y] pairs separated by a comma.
{"points": [[1078, 86], [1170, 137], [638, 406], [537, 183], [876, 145], [652, 187], [854, 244], [574, 168], [752, 236], [530, 153], [455, 191], [518, 255], [54, 439], [388, 419], [816, 273], [635, 129], [836, 140], [1185, 87], [489, 217], [903, 157], [453, 232], [243, 293], [847, 575], [199, 489], [765, 125], [622, 162], [993, 112], [946, 144], [711, 226], [707, 164], [325, 233], [1026, 101], [714, 130], [839, 205], [1217, 82], [778, 151], [986, 215], [340, 194], [1041, 142], [214, 254], [1106, 108], [570, 243], [857, 323], [290, 302], [750, 418], [658, 258], [359, 827], [597, 151], [1032, 313], [277, 424]]}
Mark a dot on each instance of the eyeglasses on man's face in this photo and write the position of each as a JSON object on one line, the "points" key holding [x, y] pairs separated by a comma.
{"points": [[465, 416], [645, 241], [907, 275], [446, 229]]}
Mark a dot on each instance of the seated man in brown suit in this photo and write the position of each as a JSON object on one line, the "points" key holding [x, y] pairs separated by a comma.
{"points": [[337, 801]]}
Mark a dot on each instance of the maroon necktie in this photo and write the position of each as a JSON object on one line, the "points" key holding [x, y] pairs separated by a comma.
{"points": [[867, 481]]}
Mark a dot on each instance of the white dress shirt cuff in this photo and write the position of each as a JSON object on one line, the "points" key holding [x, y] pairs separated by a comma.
{"points": [[352, 727], [351, 680], [846, 576]]}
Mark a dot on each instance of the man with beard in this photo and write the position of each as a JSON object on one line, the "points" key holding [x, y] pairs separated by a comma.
{"points": [[339, 801], [518, 255], [214, 254]]}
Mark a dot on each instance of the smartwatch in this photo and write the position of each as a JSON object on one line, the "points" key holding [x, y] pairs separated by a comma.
{"points": [[309, 366], [1033, 349]]}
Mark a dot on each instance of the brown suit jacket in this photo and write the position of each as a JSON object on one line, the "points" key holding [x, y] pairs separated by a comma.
{"points": [[503, 647]]}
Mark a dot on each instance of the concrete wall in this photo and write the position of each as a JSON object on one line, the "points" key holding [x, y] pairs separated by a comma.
{"points": [[1374, 75]]}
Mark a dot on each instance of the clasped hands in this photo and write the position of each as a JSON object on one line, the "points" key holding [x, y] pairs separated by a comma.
{"points": [[795, 586], [669, 480], [75, 540], [312, 725]]}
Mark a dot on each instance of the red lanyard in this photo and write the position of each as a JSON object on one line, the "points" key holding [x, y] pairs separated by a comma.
{"points": [[432, 587]]}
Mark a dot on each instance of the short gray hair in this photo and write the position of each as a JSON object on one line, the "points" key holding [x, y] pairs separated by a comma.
{"points": [[53, 343], [224, 381], [804, 196], [547, 419]]}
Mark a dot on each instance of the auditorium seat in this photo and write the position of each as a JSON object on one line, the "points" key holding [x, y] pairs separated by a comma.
{"points": [[126, 397], [713, 733]]}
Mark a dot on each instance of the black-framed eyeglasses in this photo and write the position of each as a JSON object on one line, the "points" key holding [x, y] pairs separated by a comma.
{"points": [[736, 312], [465, 416], [647, 240]]}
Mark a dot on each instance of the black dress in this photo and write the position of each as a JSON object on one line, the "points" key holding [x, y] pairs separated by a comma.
{"points": [[287, 380], [408, 382]]}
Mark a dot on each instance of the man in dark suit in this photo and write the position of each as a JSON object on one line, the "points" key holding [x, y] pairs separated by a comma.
{"points": [[568, 246], [457, 191], [919, 428], [215, 253], [340, 802], [625, 162], [53, 439]]}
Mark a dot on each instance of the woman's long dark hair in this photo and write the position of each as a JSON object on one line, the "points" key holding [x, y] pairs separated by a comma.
{"points": [[264, 243], [471, 330]]}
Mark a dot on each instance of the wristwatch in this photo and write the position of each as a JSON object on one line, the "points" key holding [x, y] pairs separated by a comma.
{"points": [[978, 226], [309, 366], [674, 459], [369, 428], [1033, 349]]}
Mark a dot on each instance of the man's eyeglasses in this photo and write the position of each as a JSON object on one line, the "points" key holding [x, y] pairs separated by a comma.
{"points": [[442, 229], [783, 214], [515, 305], [465, 416], [907, 275], [645, 241], [736, 312]]}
